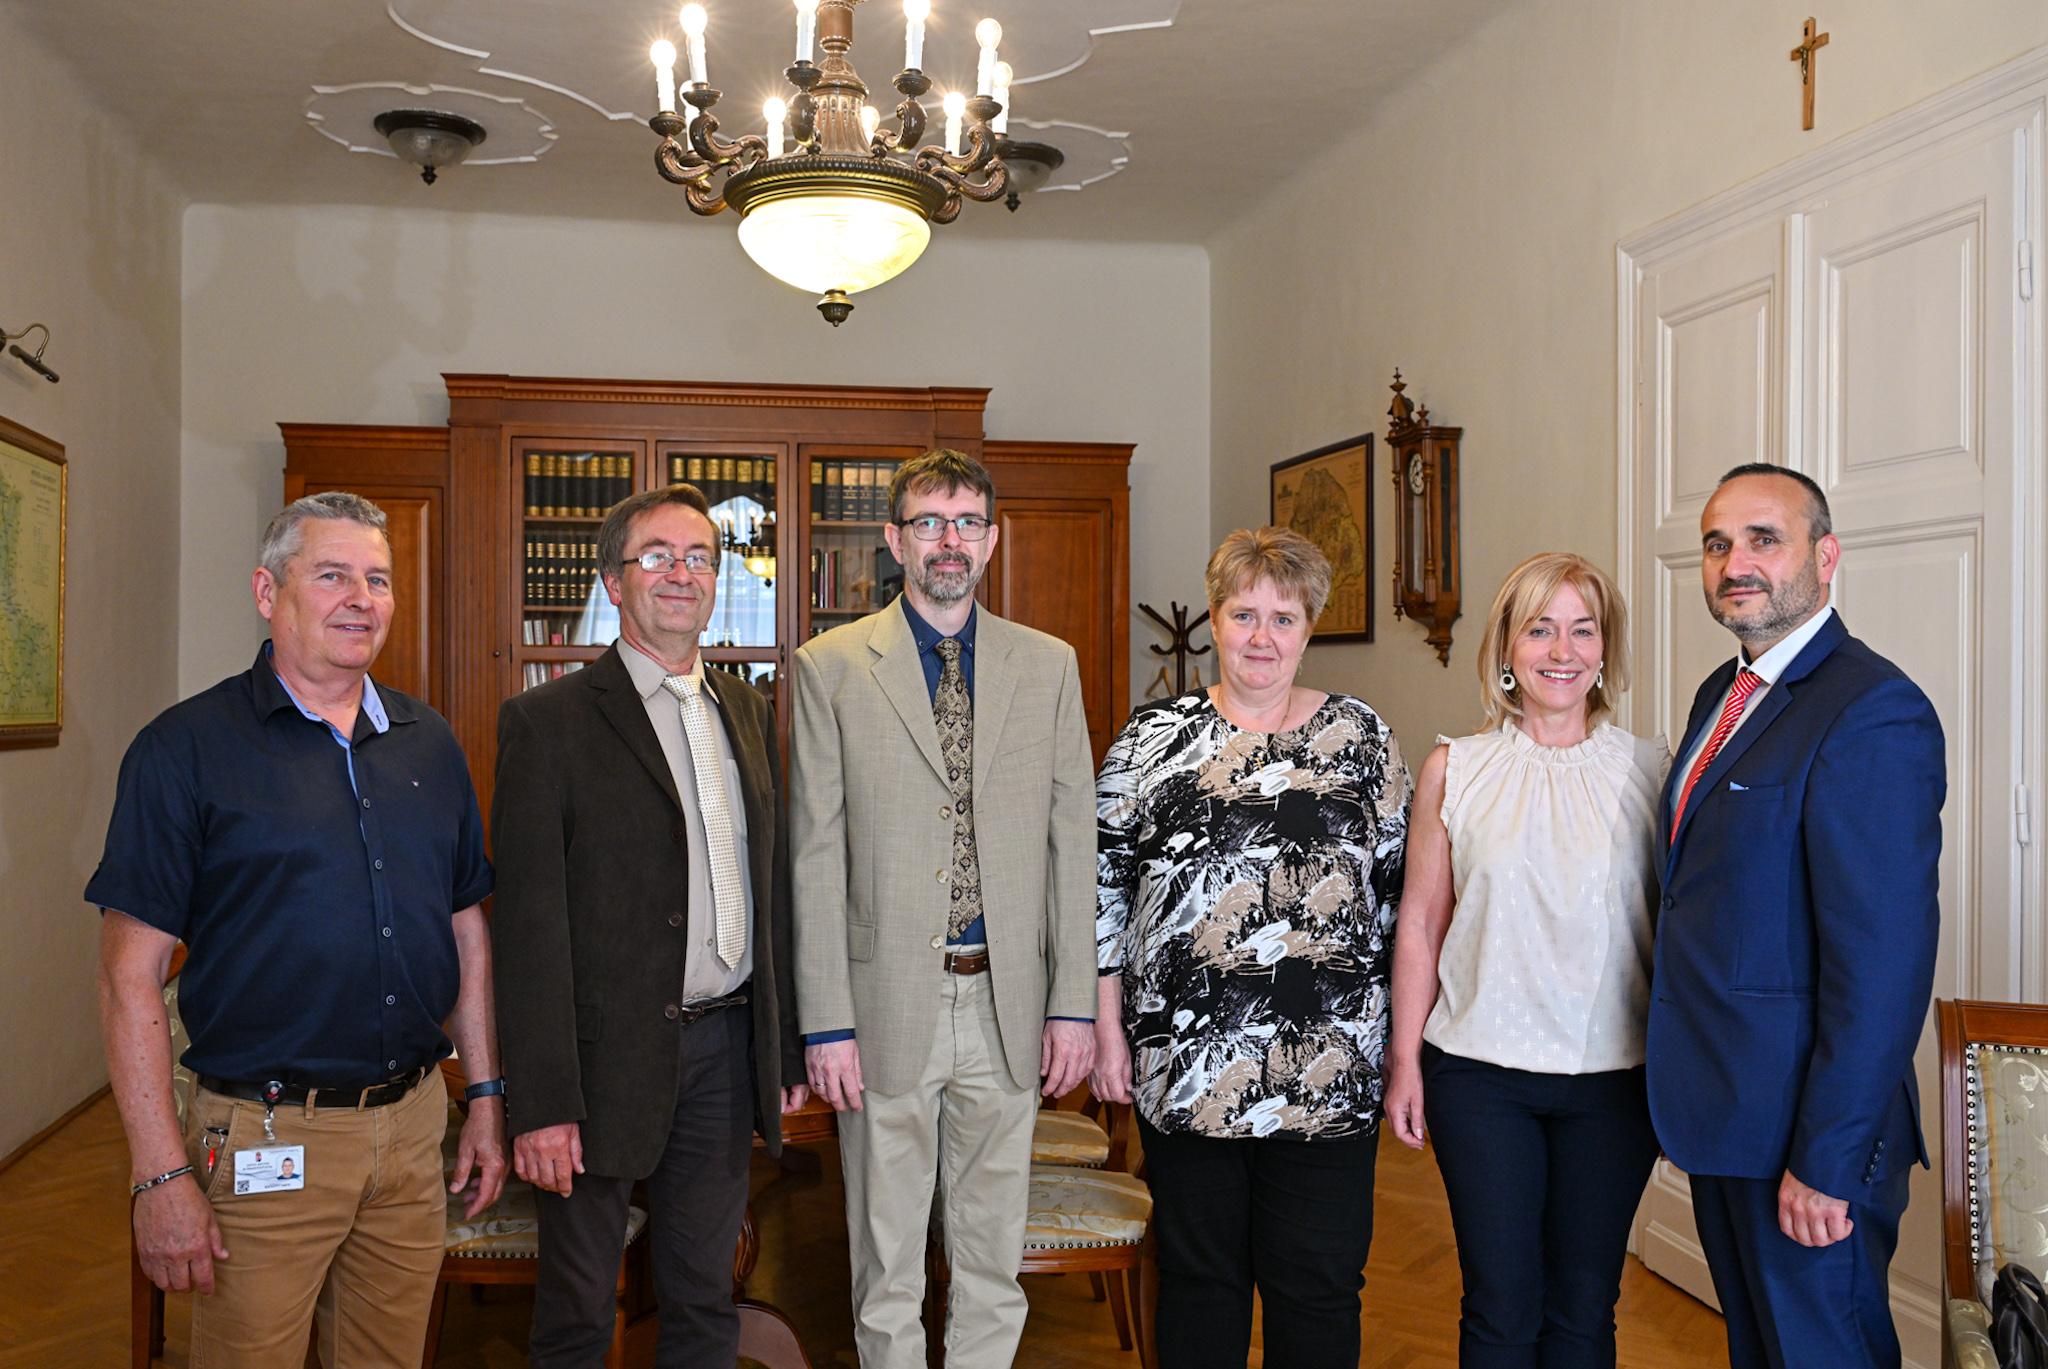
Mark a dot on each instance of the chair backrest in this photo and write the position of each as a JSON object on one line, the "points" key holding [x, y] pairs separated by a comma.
{"points": [[182, 1082], [1994, 1115]]}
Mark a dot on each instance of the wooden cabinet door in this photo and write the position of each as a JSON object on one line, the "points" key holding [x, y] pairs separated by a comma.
{"points": [[1056, 569]]}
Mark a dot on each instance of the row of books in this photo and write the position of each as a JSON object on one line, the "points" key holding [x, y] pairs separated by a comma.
{"points": [[851, 491], [540, 672], [725, 478], [855, 578], [576, 484], [585, 629], [560, 569]]}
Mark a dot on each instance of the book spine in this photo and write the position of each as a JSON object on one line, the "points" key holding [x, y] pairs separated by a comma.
{"points": [[532, 483], [835, 492], [817, 490]]}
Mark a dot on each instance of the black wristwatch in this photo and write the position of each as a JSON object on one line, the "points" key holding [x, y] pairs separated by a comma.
{"points": [[489, 1088]]}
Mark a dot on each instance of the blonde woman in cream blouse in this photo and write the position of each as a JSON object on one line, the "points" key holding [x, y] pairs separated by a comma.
{"points": [[1522, 973]]}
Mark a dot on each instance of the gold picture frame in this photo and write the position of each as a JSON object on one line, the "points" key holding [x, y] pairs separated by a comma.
{"points": [[1326, 496], [33, 488]]}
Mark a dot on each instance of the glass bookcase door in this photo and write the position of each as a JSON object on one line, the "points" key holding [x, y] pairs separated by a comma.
{"points": [[849, 569], [565, 617], [741, 488]]}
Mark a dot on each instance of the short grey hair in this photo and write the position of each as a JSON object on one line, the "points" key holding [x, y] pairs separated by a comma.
{"points": [[286, 535]]}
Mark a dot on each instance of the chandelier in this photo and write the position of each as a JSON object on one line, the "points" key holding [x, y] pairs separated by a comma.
{"points": [[830, 200]]}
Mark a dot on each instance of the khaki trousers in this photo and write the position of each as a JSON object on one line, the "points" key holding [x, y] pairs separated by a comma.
{"points": [[967, 1127], [358, 1248]]}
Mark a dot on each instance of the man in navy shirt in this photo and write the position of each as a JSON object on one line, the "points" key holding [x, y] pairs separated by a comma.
{"points": [[314, 841]]}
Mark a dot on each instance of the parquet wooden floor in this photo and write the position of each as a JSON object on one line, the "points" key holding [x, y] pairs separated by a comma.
{"points": [[64, 1276]]}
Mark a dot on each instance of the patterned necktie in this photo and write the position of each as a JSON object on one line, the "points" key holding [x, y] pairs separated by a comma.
{"points": [[953, 711], [1746, 682], [711, 804]]}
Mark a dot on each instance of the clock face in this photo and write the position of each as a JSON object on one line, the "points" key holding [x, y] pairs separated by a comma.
{"points": [[1415, 471]]}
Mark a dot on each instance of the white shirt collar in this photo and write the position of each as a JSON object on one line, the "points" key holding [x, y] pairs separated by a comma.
{"points": [[1772, 663], [648, 673]]}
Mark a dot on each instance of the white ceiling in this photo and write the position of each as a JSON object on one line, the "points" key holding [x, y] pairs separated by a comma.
{"points": [[219, 92]]}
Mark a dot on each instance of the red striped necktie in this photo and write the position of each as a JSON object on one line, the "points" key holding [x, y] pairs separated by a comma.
{"points": [[1746, 684]]}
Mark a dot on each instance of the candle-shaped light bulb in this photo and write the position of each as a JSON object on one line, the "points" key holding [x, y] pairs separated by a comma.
{"points": [[870, 120], [774, 111], [988, 33], [955, 105], [694, 20], [1001, 92], [663, 55], [806, 30], [915, 12]]}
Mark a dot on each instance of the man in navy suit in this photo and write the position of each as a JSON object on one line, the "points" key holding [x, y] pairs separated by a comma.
{"points": [[1796, 941]]}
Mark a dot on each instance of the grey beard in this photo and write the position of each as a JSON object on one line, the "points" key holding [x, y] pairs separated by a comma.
{"points": [[945, 587]]}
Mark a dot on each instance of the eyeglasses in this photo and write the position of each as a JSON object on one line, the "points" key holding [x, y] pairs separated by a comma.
{"points": [[662, 562], [929, 527]]}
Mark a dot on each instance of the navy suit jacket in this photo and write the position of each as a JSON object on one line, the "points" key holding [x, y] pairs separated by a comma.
{"points": [[1796, 937]]}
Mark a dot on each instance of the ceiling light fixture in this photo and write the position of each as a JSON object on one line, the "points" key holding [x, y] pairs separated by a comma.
{"points": [[1031, 165], [829, 200], [429, 138]]}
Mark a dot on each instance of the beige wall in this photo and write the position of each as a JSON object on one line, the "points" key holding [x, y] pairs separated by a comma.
{"points": [[351, 315], [1467, 232], [89, 246]]}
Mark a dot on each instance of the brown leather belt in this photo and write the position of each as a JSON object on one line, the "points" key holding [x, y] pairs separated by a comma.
{"points": [[972, 962]]}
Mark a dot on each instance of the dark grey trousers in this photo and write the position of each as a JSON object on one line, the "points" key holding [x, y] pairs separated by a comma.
{"points": [[696, 1197]]}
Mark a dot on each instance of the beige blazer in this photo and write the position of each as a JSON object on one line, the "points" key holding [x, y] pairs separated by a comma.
{"points": [[872, 834]]}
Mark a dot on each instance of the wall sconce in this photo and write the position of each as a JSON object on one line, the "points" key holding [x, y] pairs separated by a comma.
{"points": [[34, 363]]}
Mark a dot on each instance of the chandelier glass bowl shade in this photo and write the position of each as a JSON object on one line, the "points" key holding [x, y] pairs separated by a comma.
{"points": [[428, 138], [831, 199]]}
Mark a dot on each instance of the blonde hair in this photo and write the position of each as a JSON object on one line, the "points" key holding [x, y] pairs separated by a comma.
{"points": [[1523, 596], [1294, 564]]}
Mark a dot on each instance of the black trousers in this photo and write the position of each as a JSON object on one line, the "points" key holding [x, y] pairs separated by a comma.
{"points": [[1291, 1218], [1543, 1172], [696, 1198]]}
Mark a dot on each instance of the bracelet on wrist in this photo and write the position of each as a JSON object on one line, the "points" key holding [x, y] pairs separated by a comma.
{"points": [[138, 1190], [488, 1088]]}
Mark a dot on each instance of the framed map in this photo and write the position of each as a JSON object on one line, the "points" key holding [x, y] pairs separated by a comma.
{"points": [[32, 482], [1326, 496]]}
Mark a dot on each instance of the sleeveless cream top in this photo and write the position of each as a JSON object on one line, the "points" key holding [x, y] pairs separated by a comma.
{"points": [[1546, 963]]}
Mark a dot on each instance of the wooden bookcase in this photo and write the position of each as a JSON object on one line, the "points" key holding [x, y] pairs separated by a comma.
{"points": [[484, 567]]}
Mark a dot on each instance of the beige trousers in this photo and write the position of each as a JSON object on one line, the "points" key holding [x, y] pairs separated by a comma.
{"points": [[967, 1128], [359, 1247]]}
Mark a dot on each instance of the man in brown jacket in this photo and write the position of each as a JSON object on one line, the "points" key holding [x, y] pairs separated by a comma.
{"points": [[642, 937]]}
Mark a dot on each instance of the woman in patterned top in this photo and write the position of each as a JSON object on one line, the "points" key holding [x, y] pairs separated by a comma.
{"points": [[1522, 977], [1249, 857]]}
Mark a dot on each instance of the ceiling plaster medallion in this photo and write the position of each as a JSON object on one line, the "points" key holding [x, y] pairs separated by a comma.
{"points": [[587, 52], [347, 114]]}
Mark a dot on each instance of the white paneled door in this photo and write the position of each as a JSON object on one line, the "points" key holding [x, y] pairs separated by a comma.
{"points": [[1861, 319]]}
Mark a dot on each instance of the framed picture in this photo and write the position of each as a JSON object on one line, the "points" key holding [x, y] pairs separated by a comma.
{"points": [[31, 587], [1326, 496]]}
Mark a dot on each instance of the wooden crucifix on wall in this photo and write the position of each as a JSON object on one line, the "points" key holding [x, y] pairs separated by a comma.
{"points": [[1806, 54]]}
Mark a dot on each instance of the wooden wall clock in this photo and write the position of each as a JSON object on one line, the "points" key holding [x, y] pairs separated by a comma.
{"points": [[1424, 458]]}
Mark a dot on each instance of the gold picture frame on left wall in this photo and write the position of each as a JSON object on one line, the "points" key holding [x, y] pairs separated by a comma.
{"points": [[33, 486]]}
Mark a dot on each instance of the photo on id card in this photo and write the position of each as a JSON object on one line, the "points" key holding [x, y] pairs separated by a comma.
{"points": [[273, 1169]]}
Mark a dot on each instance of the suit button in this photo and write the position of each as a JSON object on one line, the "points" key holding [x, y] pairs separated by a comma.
{"points": [[1669, 903], [672, 1012], [675, 919], [943, 875], [945, 812], [939, 942]]}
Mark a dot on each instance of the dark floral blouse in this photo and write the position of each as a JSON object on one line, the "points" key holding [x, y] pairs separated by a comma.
{"points": [[1247, 885]]}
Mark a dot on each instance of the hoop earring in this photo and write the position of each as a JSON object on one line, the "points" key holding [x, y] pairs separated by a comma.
{"points": [[1507, 680], [1600, 679]]}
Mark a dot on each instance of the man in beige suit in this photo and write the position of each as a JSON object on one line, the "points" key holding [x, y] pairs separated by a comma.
{"points": [[943, 818]]}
